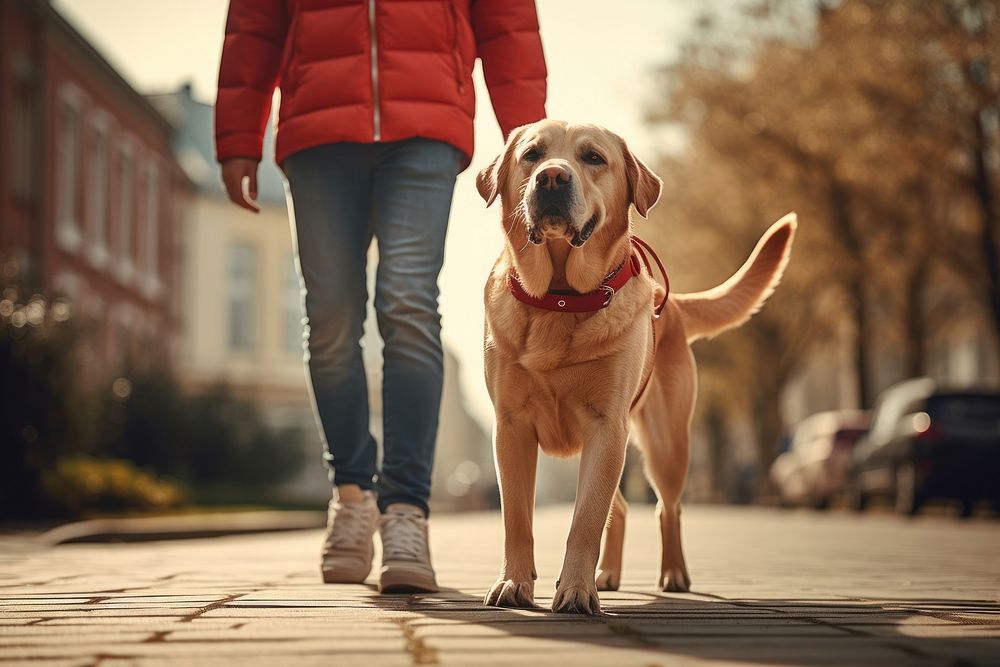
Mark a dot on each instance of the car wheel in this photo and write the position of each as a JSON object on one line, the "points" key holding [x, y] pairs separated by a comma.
{"points": [[908, 500]]}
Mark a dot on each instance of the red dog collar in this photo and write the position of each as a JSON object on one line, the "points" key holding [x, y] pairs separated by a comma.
{"points": [[602, 296]]}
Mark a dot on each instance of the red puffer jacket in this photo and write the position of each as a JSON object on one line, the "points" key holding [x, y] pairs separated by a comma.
{"points": [[373, 70]]}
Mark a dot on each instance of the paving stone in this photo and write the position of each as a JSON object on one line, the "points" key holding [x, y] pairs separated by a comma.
{"points": [[45, 637], [299, 660], [771, 589]]}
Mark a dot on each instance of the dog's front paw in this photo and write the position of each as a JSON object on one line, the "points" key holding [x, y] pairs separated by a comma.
{"points": [[511, 593], [577, 598], [675, 580]]}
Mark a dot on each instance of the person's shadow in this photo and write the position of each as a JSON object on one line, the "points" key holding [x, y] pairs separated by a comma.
{"points": [[648, 628]]}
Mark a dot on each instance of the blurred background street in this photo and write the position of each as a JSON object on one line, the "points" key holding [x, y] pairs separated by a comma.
{"points": [[150, 332], [770, 588], [151, 349]]}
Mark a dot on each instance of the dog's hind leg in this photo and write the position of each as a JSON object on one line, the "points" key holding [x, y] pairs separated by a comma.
{"points": [[666, 466], [674, 575], [609, 572], [663, 427]]}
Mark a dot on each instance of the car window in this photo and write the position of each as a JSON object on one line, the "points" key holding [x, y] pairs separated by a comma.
{"points": [[964, 408], [896, 402]]}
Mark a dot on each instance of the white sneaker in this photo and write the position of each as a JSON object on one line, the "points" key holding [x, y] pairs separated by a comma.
{"points": [[406, 558], [348, 548]]}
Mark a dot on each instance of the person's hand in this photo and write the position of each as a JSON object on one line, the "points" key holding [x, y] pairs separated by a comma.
{"points": [[234, 172]]}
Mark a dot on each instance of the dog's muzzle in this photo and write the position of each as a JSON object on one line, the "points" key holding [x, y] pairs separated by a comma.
{"points": [[553, 205]]}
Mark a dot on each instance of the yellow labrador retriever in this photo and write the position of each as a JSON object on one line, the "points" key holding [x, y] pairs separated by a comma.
{"points": [[574, 355]]}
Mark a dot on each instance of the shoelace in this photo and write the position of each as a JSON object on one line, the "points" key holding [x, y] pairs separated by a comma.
{"points": [[350, 525], [402, 535]]}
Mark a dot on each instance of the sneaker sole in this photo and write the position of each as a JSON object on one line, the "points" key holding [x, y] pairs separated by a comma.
{"points": [[406, 582], [331, 577]]}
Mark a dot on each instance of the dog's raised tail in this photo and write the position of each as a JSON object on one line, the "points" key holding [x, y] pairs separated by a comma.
{"points": [[709, 313]]}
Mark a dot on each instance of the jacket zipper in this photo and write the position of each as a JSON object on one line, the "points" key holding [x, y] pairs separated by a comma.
{"points": [[376, 114]]}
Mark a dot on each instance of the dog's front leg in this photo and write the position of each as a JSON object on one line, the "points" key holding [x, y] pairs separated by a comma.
{"points": [[600, 470], [516, 451]]}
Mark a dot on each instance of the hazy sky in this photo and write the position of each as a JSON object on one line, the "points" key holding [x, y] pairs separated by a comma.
{"points": [[600, 58]]}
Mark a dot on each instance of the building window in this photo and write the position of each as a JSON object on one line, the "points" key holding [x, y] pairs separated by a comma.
{"points": [[68, 155], [242, 276], [151, 237], [126, 213], [97, 191], [292, 308], [24, 135]]}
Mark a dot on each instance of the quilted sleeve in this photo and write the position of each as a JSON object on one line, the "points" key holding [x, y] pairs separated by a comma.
{"points": [[510, 47], [248, 74]]}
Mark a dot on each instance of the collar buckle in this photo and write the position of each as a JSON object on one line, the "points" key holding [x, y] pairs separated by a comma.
{"points": [[610, 291]]}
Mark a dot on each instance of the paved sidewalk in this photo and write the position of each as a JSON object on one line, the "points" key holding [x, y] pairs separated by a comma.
{"points": [[777, 588]]}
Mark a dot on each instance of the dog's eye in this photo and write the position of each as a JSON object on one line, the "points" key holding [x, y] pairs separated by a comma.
{"points": [[532, 155], [593, 157]]}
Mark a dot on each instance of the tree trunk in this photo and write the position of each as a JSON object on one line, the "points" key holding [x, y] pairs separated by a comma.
{"points": [[765, 398], [983, 188], [840, 208], [915, 327], [718, 446], [859, 313], [767, 428]]}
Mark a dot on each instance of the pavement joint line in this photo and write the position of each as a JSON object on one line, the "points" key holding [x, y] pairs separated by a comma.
{"points": [[415, 646], [913, 651], [101, 657], [211, 607]]}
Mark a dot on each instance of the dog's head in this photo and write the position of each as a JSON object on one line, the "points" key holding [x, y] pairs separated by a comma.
{"points": [[564, 182]]}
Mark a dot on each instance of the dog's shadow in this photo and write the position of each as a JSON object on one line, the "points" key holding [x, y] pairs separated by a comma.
{"points": [[648, 628]]}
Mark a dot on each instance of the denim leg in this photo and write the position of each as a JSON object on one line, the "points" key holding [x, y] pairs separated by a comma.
{"points": [[413, 185], [330, 210]]}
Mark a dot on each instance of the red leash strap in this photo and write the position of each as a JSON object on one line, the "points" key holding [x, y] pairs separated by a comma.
{"points": [[642, 247]]}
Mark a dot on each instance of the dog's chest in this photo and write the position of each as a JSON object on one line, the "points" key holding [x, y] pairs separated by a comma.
{"points": [[563, 404], [558, 410]]}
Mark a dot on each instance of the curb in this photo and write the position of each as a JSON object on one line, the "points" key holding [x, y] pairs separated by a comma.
{"points": [[181, 527]]}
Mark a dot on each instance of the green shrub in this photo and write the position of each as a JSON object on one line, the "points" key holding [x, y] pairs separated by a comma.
{"points": [[81, 484], [43, 413], [64, 449], [211, 438]]}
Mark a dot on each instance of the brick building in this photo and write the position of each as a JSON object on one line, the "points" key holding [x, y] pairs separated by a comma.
{"points": [[91, 196]]}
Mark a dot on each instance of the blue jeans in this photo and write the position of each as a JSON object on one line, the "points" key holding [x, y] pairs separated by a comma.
{"points": [[342, 195]]}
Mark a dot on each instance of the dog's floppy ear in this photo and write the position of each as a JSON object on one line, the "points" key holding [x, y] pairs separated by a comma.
{"points": [[644, 186], [490, 181]]}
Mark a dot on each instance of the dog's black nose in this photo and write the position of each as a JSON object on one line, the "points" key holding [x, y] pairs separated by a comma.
{"points": [[553, 178]]}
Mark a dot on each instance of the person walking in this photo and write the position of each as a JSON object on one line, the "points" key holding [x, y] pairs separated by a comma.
{"points": [[375, 122]]}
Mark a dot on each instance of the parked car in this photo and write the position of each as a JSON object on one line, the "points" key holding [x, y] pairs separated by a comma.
{"points": [[814, 469], [929, 442]]}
